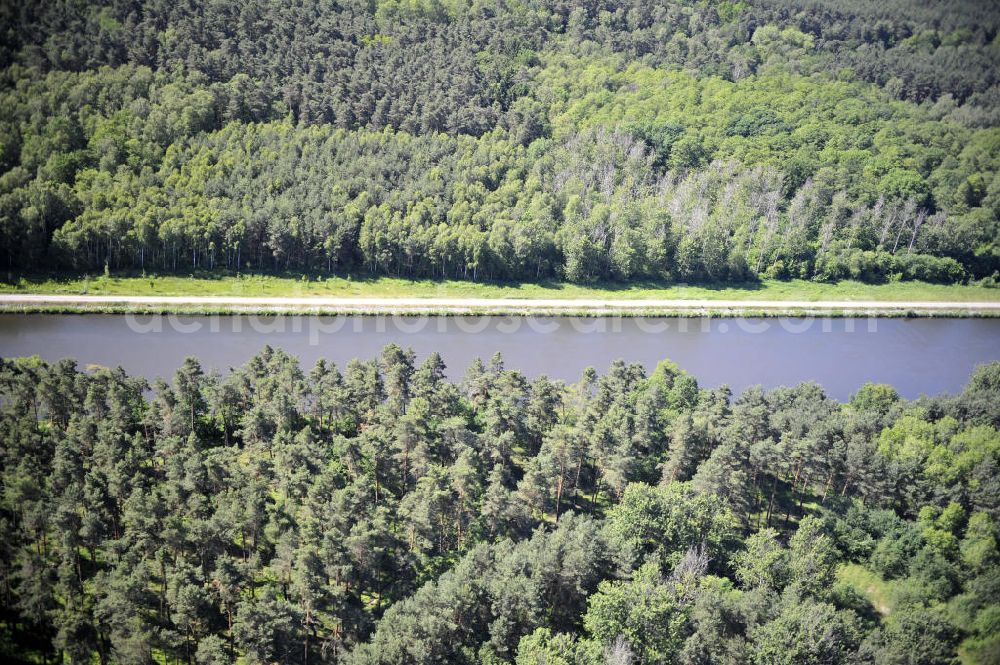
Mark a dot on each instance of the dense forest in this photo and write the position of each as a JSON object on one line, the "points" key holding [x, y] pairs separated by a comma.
{"points": [[503, 139], [379, 513]]}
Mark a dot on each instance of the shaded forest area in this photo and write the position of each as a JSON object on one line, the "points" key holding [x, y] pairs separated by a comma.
{"points": [[379, 513], [503, 140]]}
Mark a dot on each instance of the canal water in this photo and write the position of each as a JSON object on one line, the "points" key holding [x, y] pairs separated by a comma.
{"points": [[917, 356]]}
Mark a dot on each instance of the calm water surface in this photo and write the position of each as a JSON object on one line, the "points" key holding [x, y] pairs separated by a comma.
{"points": [[929, 356]]}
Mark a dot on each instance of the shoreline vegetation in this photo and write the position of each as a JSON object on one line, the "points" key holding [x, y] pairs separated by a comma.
{"points": [[705, 526], [608, 140], [306, 294]]}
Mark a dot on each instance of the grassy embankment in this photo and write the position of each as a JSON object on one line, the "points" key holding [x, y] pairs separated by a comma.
{"points": [[389, 287]]}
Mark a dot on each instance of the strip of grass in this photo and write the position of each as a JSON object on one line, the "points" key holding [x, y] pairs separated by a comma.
{"points": [[388, 287], [869, 585], [707, 312]]}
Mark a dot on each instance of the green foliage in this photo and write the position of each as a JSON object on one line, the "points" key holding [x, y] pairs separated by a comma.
{"points": [[543, 647], [764, 563], [812, 558], [919, 636], [809, 632], [647, 611], [493, 141], [661, 523]]}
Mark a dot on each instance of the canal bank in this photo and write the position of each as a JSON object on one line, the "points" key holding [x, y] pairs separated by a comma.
{"points": [[119, 304]]}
